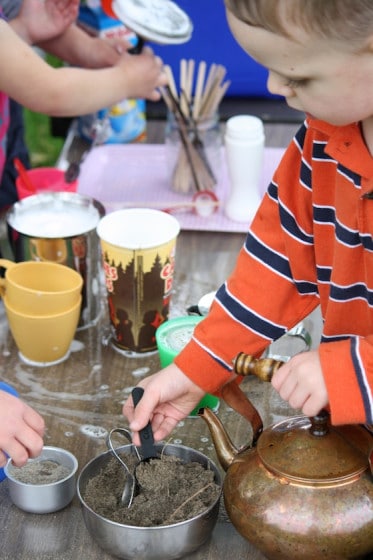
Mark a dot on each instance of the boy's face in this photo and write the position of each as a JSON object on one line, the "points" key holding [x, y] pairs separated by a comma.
{"points": [[315, 75]]}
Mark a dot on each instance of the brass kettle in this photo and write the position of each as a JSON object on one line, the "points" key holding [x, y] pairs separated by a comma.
{"points": [[303, 489]]}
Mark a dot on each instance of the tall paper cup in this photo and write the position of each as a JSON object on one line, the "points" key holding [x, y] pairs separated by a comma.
{"points": [[138, 253]]}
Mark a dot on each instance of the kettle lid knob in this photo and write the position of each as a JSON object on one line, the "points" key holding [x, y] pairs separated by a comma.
{"points": [[319, 424]]}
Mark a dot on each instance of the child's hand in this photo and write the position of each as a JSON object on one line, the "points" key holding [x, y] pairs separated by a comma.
{"points": [[143, 74], [21, 430], [301, 383], [39, 21], [169, 396]]}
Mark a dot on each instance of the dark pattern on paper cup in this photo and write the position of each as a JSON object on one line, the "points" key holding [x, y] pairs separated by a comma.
{"points": [[139, 284]]}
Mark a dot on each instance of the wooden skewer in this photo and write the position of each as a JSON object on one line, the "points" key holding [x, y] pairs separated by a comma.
{"points": [[192, 169], [194, 160], [190, 80], [207, 95], [199, 89], [181, 175], [218, 98], [171, 81], [210, 95], [209, 81], [183, 84], [220, 72]]}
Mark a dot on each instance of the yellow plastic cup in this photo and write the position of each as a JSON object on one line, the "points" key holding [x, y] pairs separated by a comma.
{"points": [[43, 339], [40, 288]]}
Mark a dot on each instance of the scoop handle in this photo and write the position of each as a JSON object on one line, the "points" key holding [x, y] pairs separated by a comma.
{"points": [[148, 450]]}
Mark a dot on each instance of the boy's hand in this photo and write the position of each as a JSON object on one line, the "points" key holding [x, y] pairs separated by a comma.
{"points": [[168, 398], [21, 430], [301, 383]]}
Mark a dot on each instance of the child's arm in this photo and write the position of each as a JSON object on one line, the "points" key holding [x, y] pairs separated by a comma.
{"points": [[78, 48], [28, 79], [21, 430], [51, 26]]}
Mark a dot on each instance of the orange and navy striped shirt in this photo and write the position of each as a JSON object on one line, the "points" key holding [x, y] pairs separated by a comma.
{"points": [[310, 244]]}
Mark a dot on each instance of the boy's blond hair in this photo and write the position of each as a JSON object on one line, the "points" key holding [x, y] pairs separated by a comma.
{"points": [[344, 20]]}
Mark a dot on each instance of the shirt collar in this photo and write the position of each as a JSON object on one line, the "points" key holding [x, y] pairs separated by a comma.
{"points": [[346, 145]]}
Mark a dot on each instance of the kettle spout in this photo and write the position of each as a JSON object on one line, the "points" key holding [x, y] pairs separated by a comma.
{"points": [[224, 447]]}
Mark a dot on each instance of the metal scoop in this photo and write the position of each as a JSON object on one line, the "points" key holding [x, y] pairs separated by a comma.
{"points": [[130, 482], [147, 452]]}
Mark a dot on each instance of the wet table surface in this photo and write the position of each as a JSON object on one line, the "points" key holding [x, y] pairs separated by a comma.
{"points": [[81, 400]]}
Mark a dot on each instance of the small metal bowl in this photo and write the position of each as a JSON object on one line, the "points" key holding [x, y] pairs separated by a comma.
{"points": [[49, 496], [166, 542]]}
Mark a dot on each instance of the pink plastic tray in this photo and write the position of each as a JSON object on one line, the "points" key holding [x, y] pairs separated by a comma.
{"points": [[137, 175]]}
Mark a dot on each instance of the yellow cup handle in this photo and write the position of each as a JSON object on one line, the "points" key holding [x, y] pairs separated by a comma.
{"points": [[4, 263]]}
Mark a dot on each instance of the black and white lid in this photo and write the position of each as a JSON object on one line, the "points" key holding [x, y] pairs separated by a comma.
{"points": [[159, 21]]}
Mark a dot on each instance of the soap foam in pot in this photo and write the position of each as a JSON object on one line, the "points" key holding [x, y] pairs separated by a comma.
{"points": [[57, 219]]}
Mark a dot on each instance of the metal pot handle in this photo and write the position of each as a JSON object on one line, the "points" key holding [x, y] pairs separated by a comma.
{"points": [[297, 332]]}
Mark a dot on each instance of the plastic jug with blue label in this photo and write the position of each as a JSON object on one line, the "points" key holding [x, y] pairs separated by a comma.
{"points": [[125, 121]]}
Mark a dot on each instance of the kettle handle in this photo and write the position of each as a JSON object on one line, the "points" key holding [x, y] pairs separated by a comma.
{"points": [[263, 368], [245, 364], [236, 399]]}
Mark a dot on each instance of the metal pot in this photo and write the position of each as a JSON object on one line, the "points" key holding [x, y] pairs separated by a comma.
{"points": [[61, 227], [166, 542], [47, 496], [303, 489]]}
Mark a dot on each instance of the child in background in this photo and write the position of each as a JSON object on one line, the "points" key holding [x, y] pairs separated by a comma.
{"points": [[73, 45], [311, 241], [29, 80], [73, 91]]}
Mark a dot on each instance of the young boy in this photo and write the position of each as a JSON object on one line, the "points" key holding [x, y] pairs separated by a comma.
{"points": [[311, 241]]}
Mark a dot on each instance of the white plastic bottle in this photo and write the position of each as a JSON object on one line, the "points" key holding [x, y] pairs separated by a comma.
{"points": [[244, 145]]}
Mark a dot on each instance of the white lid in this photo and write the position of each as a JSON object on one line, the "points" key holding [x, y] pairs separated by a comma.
{"points": [[161, 21], [245, 127], [138, 228]]}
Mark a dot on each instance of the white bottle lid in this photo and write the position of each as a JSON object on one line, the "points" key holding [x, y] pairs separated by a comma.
{"points": [[245, 127]]}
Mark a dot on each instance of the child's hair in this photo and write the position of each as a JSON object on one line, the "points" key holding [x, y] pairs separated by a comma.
{"points": [[344, 20]]}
